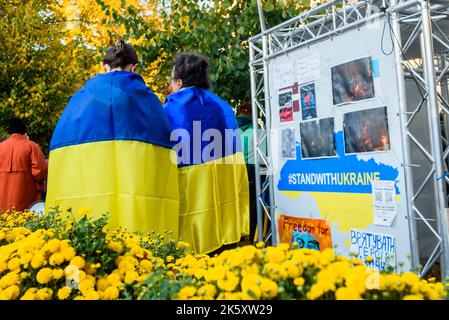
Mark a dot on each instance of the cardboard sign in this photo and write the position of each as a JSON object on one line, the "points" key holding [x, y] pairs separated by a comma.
{"points": [[308, 233]]}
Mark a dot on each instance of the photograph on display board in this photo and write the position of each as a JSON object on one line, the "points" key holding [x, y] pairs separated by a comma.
{"points": [[352, 81], [317, 138], [366, 131], [286, 106], [308, 101], [288, 143], [305, 232]]}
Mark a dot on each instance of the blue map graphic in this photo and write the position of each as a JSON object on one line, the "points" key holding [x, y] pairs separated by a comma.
{"points": [[319, 173]]}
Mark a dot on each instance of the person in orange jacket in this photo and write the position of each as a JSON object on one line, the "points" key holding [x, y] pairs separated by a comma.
{"points": [[22, 169]]}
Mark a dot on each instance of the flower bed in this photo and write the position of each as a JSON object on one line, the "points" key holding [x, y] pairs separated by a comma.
{"points": [[60, 256]]}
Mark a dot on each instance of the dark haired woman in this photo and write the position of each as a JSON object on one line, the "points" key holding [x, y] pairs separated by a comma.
{"points": [[110, 151], [214, 209]]}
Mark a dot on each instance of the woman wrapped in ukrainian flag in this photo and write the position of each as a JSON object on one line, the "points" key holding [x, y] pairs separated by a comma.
{"points": [[110, 151], [213, 182]]}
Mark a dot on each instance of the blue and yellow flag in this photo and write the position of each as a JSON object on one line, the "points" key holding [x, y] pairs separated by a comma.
{"points": [[213, 182], [110, 152]]}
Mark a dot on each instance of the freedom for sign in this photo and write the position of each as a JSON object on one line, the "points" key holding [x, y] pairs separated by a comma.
{"points": [[380, 247]]}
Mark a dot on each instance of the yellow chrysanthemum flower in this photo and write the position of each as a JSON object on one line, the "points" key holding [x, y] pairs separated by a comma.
{"points": [[58, 274], [269, 288], [86, 285], [28, 296], [347, 294], [44, 276], [252, 292], [78, 261], [229, 283], [14, 264], [316, 291], [115, 246], [207, 291], [92, 295], [114, 280], [413, 297], [10, 293], [125, 266], [131, 276], [146, 265], [111, 293], [38, 261], [102, 284], [298, 282], [327, 256], [275, 255], [53, 245], [9, 279], [25, 259], [56, 259], [68, 253], [64, 293], [186, 293], [83, 212], [44, 294]]}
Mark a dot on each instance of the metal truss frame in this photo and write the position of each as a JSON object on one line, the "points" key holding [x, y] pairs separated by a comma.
{"points": [[430, 71]]}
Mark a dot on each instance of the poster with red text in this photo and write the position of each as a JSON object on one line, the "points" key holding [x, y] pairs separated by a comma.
{"points": [[306, 232]]}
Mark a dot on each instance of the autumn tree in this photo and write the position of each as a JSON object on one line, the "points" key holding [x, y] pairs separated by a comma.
{"points": [[38, 71], [100, 23], [51, 48]]}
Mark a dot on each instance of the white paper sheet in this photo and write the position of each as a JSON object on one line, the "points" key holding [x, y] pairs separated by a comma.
{"points": [[308, 68], [384, 202], [381, 248], [283, 75]]}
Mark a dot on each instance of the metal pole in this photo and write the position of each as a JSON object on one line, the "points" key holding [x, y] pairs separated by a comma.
{"points": [[331, 17], [298, 18], [263, 27], [445, 94], [253, 73], [434, 122], [268, 121], [406, 147], [269, 145]]}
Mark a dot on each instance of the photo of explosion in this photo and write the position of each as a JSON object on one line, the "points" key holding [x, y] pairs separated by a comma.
{"points": [[366, 131], [285, 106], [352, 81], [317, 138], [308, 101]]}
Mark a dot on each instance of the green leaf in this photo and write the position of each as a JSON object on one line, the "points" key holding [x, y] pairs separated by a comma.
{"points": [[268, 6]]}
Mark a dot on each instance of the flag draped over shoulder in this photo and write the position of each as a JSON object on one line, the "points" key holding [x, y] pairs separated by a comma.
{"points": [[213, 183], [110, 152]]}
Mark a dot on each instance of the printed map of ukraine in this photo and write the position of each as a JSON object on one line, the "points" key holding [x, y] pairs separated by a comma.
{"points": [[341, 186]]}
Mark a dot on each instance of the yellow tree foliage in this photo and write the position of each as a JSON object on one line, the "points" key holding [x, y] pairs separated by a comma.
{"points": [[38, 71], [100, 23], [51, 48]]}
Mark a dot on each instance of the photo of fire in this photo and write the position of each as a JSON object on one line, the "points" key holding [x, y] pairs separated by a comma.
{"points": [[366, 131], [308, 101], [285, 106], [317, 138], [352, 81]]}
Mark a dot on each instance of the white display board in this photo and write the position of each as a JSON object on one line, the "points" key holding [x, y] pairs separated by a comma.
{"points": [[336, 101]]}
